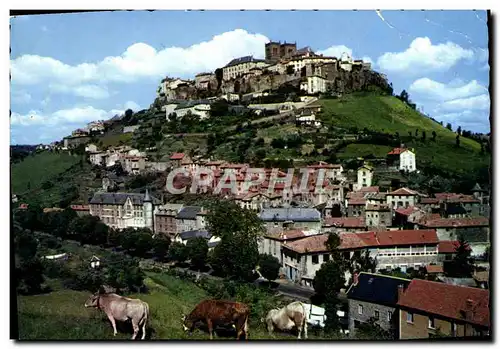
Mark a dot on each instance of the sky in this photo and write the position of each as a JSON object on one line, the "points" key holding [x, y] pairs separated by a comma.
{"points": [[70, 69]]}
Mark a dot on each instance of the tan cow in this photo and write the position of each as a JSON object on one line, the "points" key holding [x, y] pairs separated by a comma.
{"points": [[119, 308], [286, 318]]}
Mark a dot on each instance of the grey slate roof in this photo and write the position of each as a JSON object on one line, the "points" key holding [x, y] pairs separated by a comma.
{"points": [[189, 212], [245, 59], [377, 288], [191, 234], [296, 214], [120, 198]]}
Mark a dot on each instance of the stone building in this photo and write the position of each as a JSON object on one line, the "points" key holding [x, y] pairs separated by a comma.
{"points": [[374, 297], [124, 210], [165, 219], [277, 50]]}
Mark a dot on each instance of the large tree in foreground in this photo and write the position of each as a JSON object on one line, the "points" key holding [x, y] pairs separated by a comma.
{"points": [[237, 253]]}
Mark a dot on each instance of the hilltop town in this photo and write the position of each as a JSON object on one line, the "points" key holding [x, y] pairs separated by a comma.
{"points": [[414, 217]]}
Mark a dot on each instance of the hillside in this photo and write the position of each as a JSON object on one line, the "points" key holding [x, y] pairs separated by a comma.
{"points": [[48, 178], [387, 114]]}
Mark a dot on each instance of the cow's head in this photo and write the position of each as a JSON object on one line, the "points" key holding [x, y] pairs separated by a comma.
{"points": [[186, 324], [93, 301]]}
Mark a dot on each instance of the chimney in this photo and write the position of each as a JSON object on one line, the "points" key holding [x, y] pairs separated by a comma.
{"points": [[401, 290], [355, 279]]}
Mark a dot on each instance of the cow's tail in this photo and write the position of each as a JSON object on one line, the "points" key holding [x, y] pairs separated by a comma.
{"points": [[145, 318], [304, 324]]}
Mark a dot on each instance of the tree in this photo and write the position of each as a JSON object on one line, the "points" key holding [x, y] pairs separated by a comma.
{"points": [[448, 126], [434, 136], [457, 141], [88, 230], [459, 130], [128, 114], [416, 132], [31, 218], [328, 281], [178, 252], [269, 266], [404, 96], [124, 273], [161, 243], [137, 242], [462, 264], [28, 266], [423, 135], [239, 230], [197, 252]]}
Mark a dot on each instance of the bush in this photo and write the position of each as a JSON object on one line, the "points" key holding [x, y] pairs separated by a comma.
{"points": [[197, 250], [269, 266]]}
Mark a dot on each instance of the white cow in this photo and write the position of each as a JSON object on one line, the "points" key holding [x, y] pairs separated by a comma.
{"points": [[286, 318], [121, 308]]}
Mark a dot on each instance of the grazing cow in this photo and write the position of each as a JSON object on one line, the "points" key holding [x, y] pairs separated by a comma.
{"points": [[121, 309], [293, 315], [218, 312]]}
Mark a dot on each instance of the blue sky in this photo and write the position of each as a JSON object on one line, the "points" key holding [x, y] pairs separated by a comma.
{"points": [[70, 69]]}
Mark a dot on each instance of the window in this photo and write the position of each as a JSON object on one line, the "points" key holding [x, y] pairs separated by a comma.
{"points": [[389, 316], [376, 314], [360, 309], [315, 259], [326, 257], [431, 323], [409, 317], [453, 329]]}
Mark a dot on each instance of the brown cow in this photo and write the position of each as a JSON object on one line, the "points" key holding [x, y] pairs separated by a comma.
{"points": [[121, 308], [219, 312]]}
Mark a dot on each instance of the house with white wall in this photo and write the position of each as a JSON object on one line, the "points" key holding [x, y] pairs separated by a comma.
{"points": [[364, 177], [407, 161], [402, 197], [313, 84], [240, 66]]}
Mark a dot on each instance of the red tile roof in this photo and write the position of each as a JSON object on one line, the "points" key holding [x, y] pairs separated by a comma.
{"points": [[346, 222], [454, 302], [407, 211], [449, 246], [372, 189], [407, 237], [177, 156], [377, 207], [396, 151], [356, 201], [434, 269], [80, 207], [349, 241], [403, 191], [455, 222], [429, 201], [287, 235], [453, 197]]}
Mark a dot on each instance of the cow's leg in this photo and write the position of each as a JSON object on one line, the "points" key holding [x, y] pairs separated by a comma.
{"points": [[144, 330], [113, 323], [246, 328], [305, 328], [210, 328], [135, 324], [298, 322], [270, 327]]}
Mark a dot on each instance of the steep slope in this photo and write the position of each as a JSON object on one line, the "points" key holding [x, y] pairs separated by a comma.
{"points": [[387, 114]]}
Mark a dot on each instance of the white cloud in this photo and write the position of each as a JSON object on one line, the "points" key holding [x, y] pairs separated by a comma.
{"points": [[481, 102], [430, 89], [132, 105], [20, 97], [423, 56], [336, 51], [141, 61], [467, 119], [87, 91], [77, 115]]}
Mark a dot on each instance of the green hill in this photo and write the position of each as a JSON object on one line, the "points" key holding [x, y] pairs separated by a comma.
{"points": [[387, 114], [48, 178]]}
